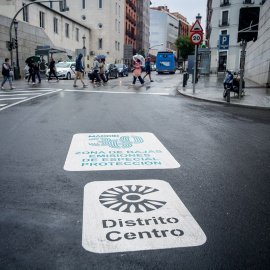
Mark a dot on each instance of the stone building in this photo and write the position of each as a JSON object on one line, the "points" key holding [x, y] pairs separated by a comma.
{"points": [[39, 25], [257, 66], [143, 25]]}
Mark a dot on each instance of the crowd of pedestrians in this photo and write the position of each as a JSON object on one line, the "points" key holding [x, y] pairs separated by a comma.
{"points": [[99, 71]]}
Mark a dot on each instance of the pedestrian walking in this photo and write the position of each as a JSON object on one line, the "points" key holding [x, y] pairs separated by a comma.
{"points": [[79, 71], [103, 69], [148, 69], [96, 70], [52, 70], [7, 74], [31, 71], [137, 72], [37, 72]]}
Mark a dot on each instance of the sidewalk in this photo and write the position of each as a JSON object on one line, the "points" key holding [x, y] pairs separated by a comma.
{"points": [[210, 88]]}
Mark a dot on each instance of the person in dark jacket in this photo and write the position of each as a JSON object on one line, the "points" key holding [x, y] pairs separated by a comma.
{"points": [[36, 72], [6, 74], [148, 69], [31, 71], [52, 69], [79, 71]]}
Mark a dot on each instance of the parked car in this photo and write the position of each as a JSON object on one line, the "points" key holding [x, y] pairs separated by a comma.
{"points": [[122, 70], [112, 71], [64, 70]]}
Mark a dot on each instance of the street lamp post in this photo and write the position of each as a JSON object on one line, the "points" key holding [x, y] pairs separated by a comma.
{"points": [[84, 49], [156, 46], [17, 74]]}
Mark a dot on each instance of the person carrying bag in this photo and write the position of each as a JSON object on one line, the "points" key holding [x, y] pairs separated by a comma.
{"points": [[7, 73]]}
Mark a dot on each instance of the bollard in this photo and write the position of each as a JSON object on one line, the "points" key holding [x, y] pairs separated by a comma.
{"points": [[184, 79], [228, 94]]}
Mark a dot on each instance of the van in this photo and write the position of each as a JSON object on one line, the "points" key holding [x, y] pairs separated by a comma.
{"points": [[165, 62]]}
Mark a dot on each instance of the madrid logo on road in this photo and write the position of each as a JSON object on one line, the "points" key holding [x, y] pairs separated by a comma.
{"points": [[130, 199]]}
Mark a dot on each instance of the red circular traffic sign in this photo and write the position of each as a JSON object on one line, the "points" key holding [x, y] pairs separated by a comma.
{"points": [[196, 38]]}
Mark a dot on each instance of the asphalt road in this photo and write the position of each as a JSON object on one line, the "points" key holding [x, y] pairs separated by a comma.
{"points": [[223, 181]]}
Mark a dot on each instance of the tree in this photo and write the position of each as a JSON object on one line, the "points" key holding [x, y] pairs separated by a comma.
{"points": [[185, 47], [141, 52]]}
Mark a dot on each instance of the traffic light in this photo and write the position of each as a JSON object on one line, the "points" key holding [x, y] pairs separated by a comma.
{"points": [[11, 44], [63, 6]]}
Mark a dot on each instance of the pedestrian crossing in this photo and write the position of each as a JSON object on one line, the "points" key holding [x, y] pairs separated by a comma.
{"points": [[9, 98]]}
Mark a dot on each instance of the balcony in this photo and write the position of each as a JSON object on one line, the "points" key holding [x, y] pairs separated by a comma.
{"points": [[224, 22], [249, 2], [129, 18], [224, 3]]}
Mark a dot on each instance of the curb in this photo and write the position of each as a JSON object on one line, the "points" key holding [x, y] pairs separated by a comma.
{"points": [[224, 103]]}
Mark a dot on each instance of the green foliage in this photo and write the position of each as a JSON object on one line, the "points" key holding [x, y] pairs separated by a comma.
{"points": [[185, 46], [141, 52]]}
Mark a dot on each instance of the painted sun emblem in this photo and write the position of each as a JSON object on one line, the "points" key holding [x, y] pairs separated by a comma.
{"points": [[130, 199]]}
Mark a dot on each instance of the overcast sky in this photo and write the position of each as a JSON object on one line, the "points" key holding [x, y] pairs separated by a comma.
{"points": [[188, 8]]}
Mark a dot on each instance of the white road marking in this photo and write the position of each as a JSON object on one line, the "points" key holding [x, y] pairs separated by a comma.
{"points": [[16, 103], [24, 94], [29, 91], [12, 98], [115, 92], [118, 151], [132, 215], [1, 105]]}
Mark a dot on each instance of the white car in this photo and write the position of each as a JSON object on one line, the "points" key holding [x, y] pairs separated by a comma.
{"points": [[64, 70]]}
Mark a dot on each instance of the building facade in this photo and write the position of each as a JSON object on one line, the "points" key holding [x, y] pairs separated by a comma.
{"points": [[223, 19], [164, 29], [130, 31], [39, 26], [106, 19], [143, 25], [257, 66]]}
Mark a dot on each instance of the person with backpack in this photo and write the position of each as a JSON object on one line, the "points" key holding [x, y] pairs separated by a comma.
{"points": [[79, 71], [7, 74], [36, 72]]}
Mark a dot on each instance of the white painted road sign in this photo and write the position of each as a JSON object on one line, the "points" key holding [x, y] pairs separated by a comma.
{"points": [[117, 151], [131, 215], [196, 38]]}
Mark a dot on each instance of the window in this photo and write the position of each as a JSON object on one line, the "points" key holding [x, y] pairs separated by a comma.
{"points": [[51, 4], [225, 18], [115, 45], [67, 30], [118, 46], [119, 27], [83, 4], [42, 19], [119, 11], [25, 13], [115, 25], [77, 34], [100, 4], [115, 8], [100, 44], [55, 25]]}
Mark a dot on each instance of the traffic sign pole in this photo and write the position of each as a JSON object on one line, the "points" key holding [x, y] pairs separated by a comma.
{"points": [[194, 71]]}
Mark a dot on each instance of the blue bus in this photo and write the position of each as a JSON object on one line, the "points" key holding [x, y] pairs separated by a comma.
{"points": [[165, 62]]}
